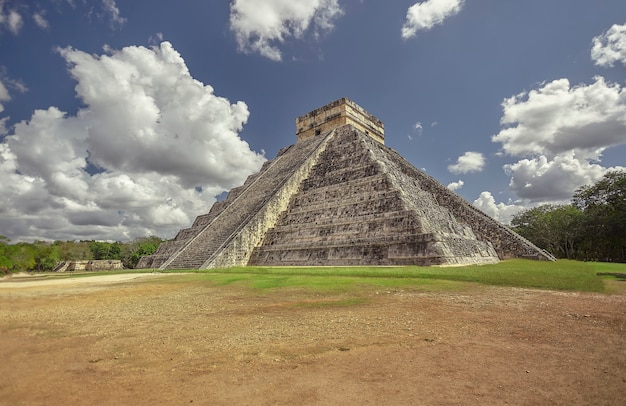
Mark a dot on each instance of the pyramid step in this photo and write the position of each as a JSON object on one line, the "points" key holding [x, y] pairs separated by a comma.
{"points": [[340, 176], [325, 215], [374, 198], [374, 183], [399, 216]]}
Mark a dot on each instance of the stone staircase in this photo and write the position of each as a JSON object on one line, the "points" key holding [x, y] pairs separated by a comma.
{"points": [[198, 245], [350, 212]]}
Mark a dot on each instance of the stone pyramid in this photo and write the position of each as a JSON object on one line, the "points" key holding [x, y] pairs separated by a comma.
{"points": [[339, 196]]}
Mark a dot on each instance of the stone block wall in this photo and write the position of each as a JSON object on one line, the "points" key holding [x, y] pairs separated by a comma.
{"points": [[89, 265], [337, 114], [506, 242]]}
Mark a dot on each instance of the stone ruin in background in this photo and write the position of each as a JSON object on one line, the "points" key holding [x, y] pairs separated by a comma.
{"points": [[339, 196], [94, 265]]}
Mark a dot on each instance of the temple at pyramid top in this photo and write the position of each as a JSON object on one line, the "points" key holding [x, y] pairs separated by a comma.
{"points": [[336, 114]]}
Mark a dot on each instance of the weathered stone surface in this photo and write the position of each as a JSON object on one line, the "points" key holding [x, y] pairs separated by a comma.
{"points": [[351, 211], [340, 197], [337, 114], [91, 265], [233, 227]]}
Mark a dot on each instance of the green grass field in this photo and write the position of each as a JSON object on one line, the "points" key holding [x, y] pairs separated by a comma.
{"points": [[559, 275]]}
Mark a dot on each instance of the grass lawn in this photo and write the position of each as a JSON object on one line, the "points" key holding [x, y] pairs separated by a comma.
{"points": [[560, 275]]}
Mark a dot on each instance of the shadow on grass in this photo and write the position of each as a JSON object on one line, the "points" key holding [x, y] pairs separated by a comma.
{"points": [[617, 275]]}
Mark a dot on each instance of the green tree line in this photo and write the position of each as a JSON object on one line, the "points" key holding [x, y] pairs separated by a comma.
{"points": [[42, 256], [591, 228]]}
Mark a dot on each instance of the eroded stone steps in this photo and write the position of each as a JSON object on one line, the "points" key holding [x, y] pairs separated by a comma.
{"points": [[332, 212], [352, 240], [382, 253], [341, 213], [340, 176], [374, 198], [355, 187], [248, 201], [393, 217]]}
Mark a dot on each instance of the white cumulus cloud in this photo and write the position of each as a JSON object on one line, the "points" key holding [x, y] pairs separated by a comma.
{"points": [[610, 47], [148, 152], [456, 185], [425, 15], [503, 212], [558, 118], [469, 162], [539, 179], [260, 25], [561, 131]]}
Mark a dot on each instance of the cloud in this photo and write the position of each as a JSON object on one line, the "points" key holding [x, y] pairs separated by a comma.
{"points": [[418, 129], [111, 9], [4, 95], [259, 25], [539, 179], [41, 21], [468, 162], [557, 118], [610, 47], [502, 212], [3, 126], [561, 131], [7, 83], [148, 152], [456, 185], [426, 14], [10, 19]]}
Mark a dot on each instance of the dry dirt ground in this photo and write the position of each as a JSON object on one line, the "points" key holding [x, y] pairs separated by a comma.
{"points": [[177, 339]]}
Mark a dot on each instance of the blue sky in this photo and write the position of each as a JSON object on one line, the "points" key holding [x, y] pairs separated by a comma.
{"points": [[125, 118]]}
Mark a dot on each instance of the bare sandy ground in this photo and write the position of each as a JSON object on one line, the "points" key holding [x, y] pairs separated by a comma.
{"points": [[24, 280], [179, 339]]}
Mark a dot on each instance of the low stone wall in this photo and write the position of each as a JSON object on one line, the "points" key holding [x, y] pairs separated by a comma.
{"points": [[92, 265]]}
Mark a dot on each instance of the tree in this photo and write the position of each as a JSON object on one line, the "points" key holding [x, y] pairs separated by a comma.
{"points": [[47, 256], [43, 256], [6, 265], [568, 219], [132, 252], [553, 228], [105, 250], [604, 205], [23, 257], [74, 250]]}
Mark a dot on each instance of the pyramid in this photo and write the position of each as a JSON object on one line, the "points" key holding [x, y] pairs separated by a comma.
{"points": [[339, 196]]}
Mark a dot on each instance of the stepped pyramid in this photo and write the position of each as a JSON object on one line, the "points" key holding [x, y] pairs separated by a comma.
{"points": [[339, 196]]}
